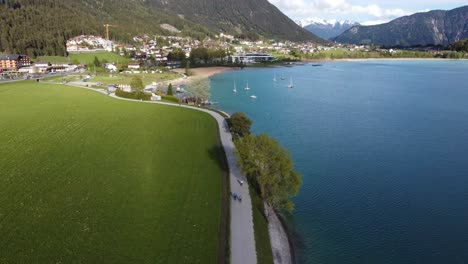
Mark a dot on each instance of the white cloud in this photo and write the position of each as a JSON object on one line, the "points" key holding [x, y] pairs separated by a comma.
{"points": [[337, 9]]}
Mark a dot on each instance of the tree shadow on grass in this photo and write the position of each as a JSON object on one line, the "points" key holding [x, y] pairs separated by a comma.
{"points": [[216, 153]]}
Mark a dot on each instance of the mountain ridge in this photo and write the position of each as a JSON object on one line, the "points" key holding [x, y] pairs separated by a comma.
{"points": [[436, 27], [42, 27], [244, 17]]}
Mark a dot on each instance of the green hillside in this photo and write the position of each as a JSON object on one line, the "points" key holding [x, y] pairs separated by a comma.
{"points": [[90, 179], [42, 27]]}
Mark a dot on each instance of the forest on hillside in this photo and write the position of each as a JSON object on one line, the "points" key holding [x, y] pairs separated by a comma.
{"points": [[42, 27]]}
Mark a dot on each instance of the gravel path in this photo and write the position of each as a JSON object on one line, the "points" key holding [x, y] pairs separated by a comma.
{"points": [[242, 241]]}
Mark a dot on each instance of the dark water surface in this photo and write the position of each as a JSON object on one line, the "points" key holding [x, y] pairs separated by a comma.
{"points": [[383, 150]]}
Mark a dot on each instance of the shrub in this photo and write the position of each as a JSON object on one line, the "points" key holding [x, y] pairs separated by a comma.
{"points": [[169, 90], [137, 95], [137, 83], [239, 124]]}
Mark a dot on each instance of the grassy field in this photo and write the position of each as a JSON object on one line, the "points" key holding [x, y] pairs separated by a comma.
{"points": [[90, 179], [53, 59], [119, 78], [86, 58], [147, 78]]}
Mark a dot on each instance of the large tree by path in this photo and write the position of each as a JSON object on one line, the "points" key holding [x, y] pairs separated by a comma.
{"points": [[269, 166]]}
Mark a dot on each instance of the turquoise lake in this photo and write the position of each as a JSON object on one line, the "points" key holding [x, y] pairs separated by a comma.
{"points": [[383, 150]]}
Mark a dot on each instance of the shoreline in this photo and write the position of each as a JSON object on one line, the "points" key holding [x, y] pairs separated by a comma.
{"points": [[280, 238], [290, 235], [377, 59], [198, 73]]}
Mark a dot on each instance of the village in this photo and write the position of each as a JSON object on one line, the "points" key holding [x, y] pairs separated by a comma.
{"points": [[157, 62], [170, 52]]}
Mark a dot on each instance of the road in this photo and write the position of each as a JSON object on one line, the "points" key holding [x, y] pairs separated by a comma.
{"points": [[242, 237]]}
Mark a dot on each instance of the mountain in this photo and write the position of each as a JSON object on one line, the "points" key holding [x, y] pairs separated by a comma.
{"points": [[238, 17], [436, 27], [42, 27], [326, 29]]}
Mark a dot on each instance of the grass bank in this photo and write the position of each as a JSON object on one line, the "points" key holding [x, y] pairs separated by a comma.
{"points": [[262, 237], [89, 179]]}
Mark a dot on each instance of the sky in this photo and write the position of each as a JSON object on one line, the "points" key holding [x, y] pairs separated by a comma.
{"points": [[366, 12]]}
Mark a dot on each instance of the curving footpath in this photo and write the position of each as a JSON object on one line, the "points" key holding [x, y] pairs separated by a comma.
{"points": [[242, 240]]}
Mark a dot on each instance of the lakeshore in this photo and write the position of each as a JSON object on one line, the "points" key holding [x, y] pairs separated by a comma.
{"points": [[377, 59], [198, 73]]}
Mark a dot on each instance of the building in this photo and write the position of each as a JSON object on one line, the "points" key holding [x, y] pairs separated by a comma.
{"points": [[252, 58], [111, 67], [13, 62], [134, 65]]}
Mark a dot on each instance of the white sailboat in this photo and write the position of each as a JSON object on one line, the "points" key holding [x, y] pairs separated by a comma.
{"points": [[291, 85], [274, 78], [253, 96], [235, 88], [247, 88]]}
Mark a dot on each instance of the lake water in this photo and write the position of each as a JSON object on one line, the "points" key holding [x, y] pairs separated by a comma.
{"points": [[383, 150]]}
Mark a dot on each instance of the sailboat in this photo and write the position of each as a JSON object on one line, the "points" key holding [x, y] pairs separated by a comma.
{"points": [[235, 89], [291, 85], [247, 88], [274, 78], [253, 96]]}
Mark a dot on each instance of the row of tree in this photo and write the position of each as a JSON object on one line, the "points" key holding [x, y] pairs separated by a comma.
{"points": [[461, 46], [266, 163]]}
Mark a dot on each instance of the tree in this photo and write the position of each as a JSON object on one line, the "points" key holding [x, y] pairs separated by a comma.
{"points": [[169, 90], [295, 53], [269, 166], [137, 83], [240, 124], [199, 88], [96, 62]]}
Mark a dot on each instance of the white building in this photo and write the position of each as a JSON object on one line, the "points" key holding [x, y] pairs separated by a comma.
{"points": [[155, 97], [134, 65], [111, 67], [249, 58]]}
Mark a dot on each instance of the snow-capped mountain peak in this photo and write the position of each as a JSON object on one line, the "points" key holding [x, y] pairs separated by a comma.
{"points": [[326, 28], [325, 22]]}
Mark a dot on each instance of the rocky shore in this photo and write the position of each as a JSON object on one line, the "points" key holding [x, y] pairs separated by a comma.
{"points": [[278, 238]]}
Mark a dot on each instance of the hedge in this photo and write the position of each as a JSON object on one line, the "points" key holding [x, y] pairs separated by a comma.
{"points": [[170, 98], [137, 95]]}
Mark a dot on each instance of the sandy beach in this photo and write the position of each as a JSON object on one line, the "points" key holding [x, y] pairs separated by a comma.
{"points": [[199, 73]]}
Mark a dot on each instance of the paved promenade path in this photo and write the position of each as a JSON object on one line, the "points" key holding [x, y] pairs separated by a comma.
{"points": [[242, 231]]}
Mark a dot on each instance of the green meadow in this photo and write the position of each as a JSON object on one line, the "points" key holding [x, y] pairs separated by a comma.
{"points": [[90, 179], [86, 58]]}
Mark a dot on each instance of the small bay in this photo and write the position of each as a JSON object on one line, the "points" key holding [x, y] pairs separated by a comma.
{"points": [[383, 150]]}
